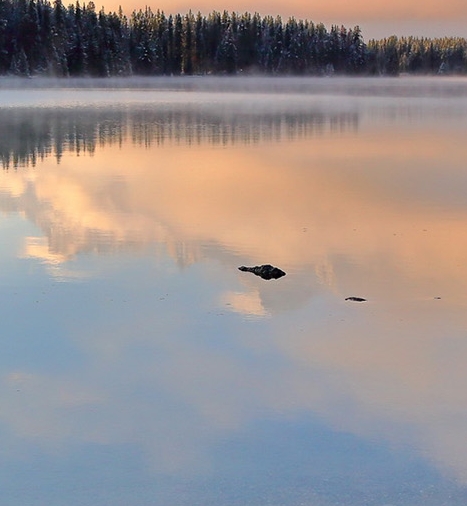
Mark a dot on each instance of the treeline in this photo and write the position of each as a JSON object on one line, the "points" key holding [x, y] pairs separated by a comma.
{"points": [[394, 55], [39, 37]]}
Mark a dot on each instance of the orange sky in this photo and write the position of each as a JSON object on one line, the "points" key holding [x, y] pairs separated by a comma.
{"points": [[378, 18]]}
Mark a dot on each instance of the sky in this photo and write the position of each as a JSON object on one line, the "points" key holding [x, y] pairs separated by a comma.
{"points": [[377, 18]]}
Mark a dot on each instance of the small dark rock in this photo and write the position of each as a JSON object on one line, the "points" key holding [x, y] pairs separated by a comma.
{"points": [[264, 271], [356, 299]]}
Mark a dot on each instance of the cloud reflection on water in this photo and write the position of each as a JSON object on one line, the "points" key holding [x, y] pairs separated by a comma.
{"points": [[365, 211]]}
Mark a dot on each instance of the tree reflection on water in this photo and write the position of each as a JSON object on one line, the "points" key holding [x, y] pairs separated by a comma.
{"points": [[29, 135]]}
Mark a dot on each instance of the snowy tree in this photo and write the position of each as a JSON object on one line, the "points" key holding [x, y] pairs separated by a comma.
{"points": [[45, 37]]}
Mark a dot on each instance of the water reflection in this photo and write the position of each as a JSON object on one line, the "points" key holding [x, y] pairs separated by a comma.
{"points": [[28, 135], [171, 360]]}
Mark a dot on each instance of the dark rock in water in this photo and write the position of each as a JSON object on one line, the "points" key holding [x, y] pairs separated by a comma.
{"points": [[264, 271], [356, 299]]}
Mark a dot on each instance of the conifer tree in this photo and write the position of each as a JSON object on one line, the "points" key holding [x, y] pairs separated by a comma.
{"points": [[45, 37]]}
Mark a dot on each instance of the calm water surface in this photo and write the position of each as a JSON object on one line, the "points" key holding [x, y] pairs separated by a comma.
{"points": [[140, 366]]}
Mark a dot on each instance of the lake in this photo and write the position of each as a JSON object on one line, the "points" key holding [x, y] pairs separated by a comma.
{"points": [[140, 366]]}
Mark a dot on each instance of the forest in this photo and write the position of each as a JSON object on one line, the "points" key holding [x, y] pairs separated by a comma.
{"points": [[42, 38]]}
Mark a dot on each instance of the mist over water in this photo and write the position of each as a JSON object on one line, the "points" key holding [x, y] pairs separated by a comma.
{"points": [[43, 116], [364, 86], [140, 366]]}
